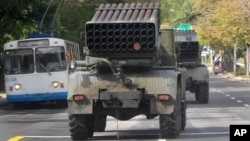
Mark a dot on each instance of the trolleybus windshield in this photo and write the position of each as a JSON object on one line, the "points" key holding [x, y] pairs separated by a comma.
{"points": [[19, 61], [50, 59]]}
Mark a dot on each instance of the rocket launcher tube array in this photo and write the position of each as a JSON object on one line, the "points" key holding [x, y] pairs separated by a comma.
{"points": [[115, 28]]}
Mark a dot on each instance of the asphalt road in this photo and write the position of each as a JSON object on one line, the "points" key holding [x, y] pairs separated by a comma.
{"points": [[229, 104]]}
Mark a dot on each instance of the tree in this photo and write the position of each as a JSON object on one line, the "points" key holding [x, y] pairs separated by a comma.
{"points": [[177, 11], [223, 23], [19, 18]]}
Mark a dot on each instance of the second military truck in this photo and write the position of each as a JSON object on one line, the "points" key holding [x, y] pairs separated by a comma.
{"points": [[189, 57], [130, 69]]}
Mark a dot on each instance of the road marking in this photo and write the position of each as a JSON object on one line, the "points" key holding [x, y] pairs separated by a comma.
{"points": [[246, 105], [47, 137], [227, 95], [19, 138], [16, 138], [239, 101], [232, 97]]}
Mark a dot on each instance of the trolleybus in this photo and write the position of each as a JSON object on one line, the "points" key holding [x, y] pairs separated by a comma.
{"points": [[36, 69]]}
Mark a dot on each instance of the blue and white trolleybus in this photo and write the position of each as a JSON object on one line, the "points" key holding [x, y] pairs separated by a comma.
{"points": [[36, 69]]}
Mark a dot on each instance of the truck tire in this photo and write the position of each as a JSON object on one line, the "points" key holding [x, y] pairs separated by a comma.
{"points": [[100, 123], [183, 115], [170, 125], [202, 93], [81, 126]]}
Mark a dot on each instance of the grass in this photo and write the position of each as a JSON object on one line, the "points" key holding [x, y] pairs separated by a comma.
{"points": [[208, 64], [241, 72], [245, 76]]}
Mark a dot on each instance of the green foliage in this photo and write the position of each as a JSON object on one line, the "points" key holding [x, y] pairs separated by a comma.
{"points": [[24, 16], [222, 23], [219, 23], [177, 11], [19, 18]]}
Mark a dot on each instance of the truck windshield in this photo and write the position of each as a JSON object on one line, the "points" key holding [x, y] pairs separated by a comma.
{"points": [[19, 61], [50, 59]]}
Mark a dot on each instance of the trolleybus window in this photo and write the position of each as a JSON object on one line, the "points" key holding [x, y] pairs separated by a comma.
{"points": [[50, 59], [19, 61]]}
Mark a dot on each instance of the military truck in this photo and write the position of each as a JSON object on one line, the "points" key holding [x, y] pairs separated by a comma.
{"points": [[130, 69], [189, 57]]}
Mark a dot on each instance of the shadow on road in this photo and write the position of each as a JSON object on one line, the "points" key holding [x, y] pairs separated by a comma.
{"points": [[34, 107]]}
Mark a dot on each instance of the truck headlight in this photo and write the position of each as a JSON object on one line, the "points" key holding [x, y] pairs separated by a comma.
{"points": [[17, 86], [55, 84]]}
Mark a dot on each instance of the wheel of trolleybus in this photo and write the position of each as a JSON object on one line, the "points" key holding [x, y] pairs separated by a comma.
{"points": [[202, 93], [171, 125], [62, 103], [19, 105], [81, 126]]}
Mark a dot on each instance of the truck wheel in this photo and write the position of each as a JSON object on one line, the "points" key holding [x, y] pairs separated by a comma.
{"points": [[183, 115], [202, 94], [81, 126], [170, 125], [100, 123]]}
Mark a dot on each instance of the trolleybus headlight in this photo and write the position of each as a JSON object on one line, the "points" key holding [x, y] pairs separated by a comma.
{"points": [[55, 84], [17, 86]]}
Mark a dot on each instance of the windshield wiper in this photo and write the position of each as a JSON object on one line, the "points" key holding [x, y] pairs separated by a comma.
{"points": [[45, 69]]}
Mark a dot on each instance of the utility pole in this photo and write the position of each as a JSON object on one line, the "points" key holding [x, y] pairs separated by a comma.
{"points": [[235, 58], [211, 57], [247, 61]]}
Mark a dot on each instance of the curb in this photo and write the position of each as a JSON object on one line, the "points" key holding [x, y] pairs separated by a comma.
{"points": [[231, 77]]}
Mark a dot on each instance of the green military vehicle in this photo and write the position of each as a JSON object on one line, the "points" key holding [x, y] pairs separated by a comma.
{"points": [[130, 69], [189, 57]]}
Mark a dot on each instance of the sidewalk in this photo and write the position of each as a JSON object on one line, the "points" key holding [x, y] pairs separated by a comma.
{"points": [[231, 77], [236, 78]]}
